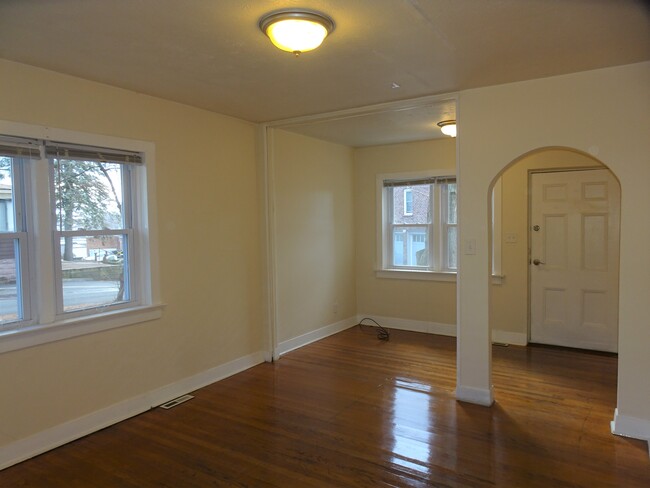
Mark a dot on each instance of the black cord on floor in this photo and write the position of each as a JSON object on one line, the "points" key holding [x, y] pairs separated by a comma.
{"points": [[382, 333]]}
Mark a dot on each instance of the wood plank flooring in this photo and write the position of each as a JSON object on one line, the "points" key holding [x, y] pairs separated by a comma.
{"points": [[353, 411]]}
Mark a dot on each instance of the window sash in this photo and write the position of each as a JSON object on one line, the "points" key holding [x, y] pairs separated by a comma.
{"points": [[447, 224], [391, 226], [128, 267], [427, 231], [62, 150], [23, 295], [19, 237], [127, 177], [128, 235]]}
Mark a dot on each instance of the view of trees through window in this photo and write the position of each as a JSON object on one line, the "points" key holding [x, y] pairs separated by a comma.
{"points": [[91, 225], [90, 219]]}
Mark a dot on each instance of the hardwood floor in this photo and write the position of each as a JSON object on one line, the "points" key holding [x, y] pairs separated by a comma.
{"points": [[353, 411]]}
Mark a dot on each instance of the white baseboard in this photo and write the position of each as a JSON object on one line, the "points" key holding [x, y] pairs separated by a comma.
{"points": [[507, 337], [626, 426], [412, 325], [514, 338], [69, 431], [315, 335], [480, 396]]}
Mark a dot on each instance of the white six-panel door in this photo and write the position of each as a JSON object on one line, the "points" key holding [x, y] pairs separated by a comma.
{"points": [[574, 259]]}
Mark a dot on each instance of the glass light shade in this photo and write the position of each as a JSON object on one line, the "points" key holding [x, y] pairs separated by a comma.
{"points": [[296, 35], [448, 128], [296, 31]]}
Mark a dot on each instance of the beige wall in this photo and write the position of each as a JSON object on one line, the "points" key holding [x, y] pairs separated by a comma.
{"points": [[314, 228], [428, 301], [208, 241], [509, 300], [209, 233], [500, 124]]}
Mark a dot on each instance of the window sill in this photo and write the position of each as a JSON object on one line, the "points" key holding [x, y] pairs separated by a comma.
{"points": [[13, 340], [400, 274], [497, 279]]}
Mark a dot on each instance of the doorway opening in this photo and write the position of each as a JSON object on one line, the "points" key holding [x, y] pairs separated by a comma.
{"points": [[555, 241]]}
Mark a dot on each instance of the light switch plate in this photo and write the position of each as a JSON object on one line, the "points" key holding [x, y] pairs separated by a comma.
{"points": [[470, 246]]}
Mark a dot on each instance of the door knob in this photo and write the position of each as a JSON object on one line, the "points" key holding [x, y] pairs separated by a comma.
{"points": [[537, 262]]}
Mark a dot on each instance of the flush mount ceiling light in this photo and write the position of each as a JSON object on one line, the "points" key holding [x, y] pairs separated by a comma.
{"points": [[296, 31], [448, 127]]}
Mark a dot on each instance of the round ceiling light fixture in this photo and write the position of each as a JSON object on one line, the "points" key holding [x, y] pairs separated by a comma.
{"points": [[296, 31], [448, 127]]}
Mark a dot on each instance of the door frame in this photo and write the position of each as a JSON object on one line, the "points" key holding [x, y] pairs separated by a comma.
{"points": [[266, 184]]}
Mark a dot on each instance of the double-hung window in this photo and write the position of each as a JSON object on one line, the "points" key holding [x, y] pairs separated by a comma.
{"points": [[93, 226], [76, 248], [417, 225]]}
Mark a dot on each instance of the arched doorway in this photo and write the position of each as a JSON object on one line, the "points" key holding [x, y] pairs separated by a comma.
{"points": [[515, 283]]}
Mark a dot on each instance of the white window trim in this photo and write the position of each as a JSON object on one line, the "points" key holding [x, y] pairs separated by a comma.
{"points": [[497, 274], [49, 327], [410, 192], [382, 241], [417, 275]]}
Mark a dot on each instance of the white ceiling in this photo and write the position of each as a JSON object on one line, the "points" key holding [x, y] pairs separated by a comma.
{"points": [[211, 54], [387, 126]]}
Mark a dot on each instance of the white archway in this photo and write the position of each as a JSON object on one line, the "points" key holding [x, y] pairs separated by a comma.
{"points": [[498, 124], [509, 298]]}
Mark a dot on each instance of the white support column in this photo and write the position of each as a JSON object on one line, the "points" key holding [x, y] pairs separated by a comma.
{"points": [[474, 352]]}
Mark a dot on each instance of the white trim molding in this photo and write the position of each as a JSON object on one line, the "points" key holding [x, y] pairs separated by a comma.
{"points": [[401, 274], [59, 435], [316, 335], [13, 340], [411, 325], [508, 337], [627, 426], [479, 396], [497, 238]]}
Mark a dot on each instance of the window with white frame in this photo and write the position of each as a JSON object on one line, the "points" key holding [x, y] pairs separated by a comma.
{"points": [[418, 224], [74, 239], [92, 206]]}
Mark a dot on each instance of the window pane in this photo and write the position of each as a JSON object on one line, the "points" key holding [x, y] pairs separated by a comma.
{"points": [[420, 204], [7, 214], [98, 275], [451, 203], [410, 246], [10, 299], [452, 248], [88, 195]]}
